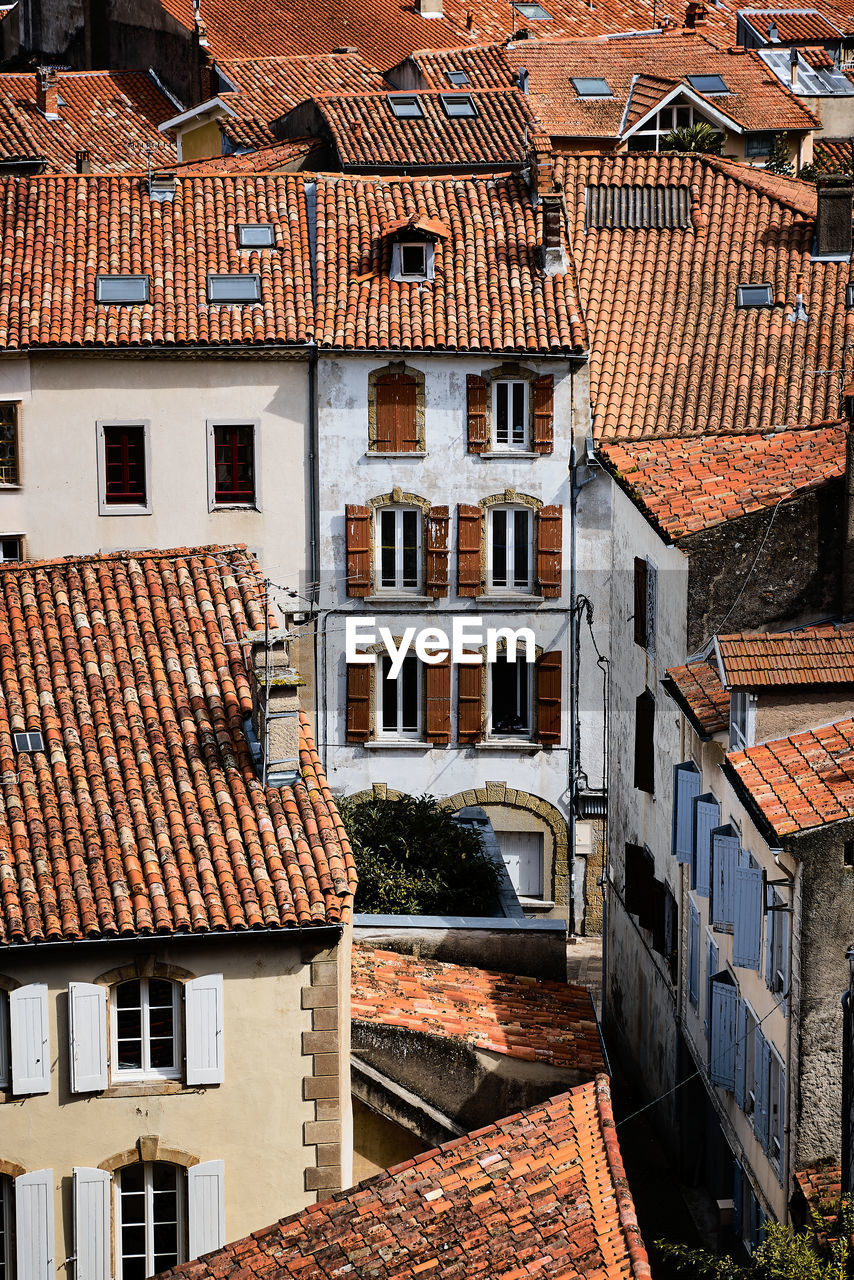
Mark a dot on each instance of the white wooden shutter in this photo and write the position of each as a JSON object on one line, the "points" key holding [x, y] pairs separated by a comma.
{"points": [[206, 1207], [747, 932], [87, 1025], [30, 1040], [686, 787], [707, 816], [694, 957], [4, 1040], [92, 1224], [722, 1056], [203, 1020], [34, 1225]]}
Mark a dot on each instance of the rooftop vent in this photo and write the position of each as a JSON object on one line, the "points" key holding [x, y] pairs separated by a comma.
{"points": [[161, 186], [82, 161], [28, 742], [638, 208], [772, 33]]}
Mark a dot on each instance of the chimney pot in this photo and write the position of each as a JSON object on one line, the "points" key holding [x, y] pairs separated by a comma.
{"points": [[83, 163], [469, 20], [47, 92], [833, 221]]}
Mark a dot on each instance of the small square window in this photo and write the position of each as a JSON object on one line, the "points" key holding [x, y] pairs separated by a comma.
{"points": [[9, 472], [413, 261], [754, 295], [234, 465], [591, 87], [458, 105], [533, 12], [11, 549], [849, 294], [255, 235], [121, 290], [758, 144], [28, 742], [457, 78], [405, 106], [123, 468], [234, 288], [708, 84]]}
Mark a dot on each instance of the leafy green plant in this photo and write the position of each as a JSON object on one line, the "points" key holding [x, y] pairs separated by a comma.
{"points": [[701, 138], [778, 156], [414, 858]]}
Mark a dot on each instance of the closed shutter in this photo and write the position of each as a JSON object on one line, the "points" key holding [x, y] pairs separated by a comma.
{"points": [[438, 522], [396, 413], [206, 1207], [549, 681], [478, 432], [769, 938], [762, 1071], [644, 773], [740, 1055], [34, 1225], [722, 1055], [544, 414], [203, 1016], [469, 523], [469, 706], [724, 859], [92, 1224], [437, 701], [747, 934], [707, 816], [87, 1025], [30, 1039], [358, 521], [686, 787], [781, 1103], [359, 701], [639, 618], [651, 604], [549, 551], [694, 957], [736, 1200]]}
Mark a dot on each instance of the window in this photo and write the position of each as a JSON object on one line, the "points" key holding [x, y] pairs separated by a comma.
{"points": [[510, 698], [510, 414], [510, 558], [644, 771], [9, 468], [533, 12], [121, 290], [28, 742], [146, 1029], [458, 105], [742, 719], [234, 465], [849, 294], [758, 144], [11, 549], [399, 548], [234, 288], [776, 1110], [645, 594], [591, 87], [639, 884], [522, 852], [457, 78], [413, 261], [405, 106], [708, 84], [123, 465], [7, 1228], [777, 940], [255, 235], [754, 295], [679, 115], [399, 709], [151, 1214]]}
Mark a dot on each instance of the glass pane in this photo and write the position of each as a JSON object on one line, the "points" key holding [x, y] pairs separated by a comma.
{"points": [[501, 413], [499, 548], [521, 550], [388, 525], [132, 1180], [410, 548], [259, 236], [412, 260], [124, 464], [683, 117], [165, 1239], [509, 697], [159, 992], [389, 699], [408, 681], [234, 288], [8, 445], [164, 1177], [162, 1053], [518, 413]]}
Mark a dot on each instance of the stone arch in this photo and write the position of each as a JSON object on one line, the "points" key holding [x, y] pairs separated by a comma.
{"points": [[11, 1169], [148, 1149], [399, 367]]}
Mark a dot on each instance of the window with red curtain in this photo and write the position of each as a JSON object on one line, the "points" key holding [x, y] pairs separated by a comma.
{"points": [[124, 465], [234, 460]]}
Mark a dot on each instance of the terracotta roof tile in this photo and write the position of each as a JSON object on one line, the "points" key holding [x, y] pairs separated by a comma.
{"points": [[698, 690], [832, 155], [143, 814], [279, 157], [823, 655], [543, 1192], [793, 25], [821, 1187], [521, 1017]]}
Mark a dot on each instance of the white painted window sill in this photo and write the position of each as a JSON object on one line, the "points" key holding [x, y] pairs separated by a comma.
{"points": [[376, 455], [396, 744], [398, 597], [510, 597], [508, 744], [509, 455]]}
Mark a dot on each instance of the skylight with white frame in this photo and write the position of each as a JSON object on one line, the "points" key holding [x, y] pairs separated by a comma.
{"points": [[121, 290], [234, 288]]}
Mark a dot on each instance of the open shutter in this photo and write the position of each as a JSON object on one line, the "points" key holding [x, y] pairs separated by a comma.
{"points": [[87, 1024], [437, 701], [469, 709], [724, 860], [694, 957], [651, 604], [740, 1055], [478, 431], [781, 1103], [34, 1225], [92, 1224], [206, 1207], [686, 787], [549, 553], [396, 413], [5, 1078], [707, 816], [30, 1039], [762, 1071], [203, 1019], [549, 681], [544, 414], [358, 521], [438, 521], [722, 1056], [736, 1200], [747, 934], [468, 550], [639, 618], [711, 970], [359, 701]]}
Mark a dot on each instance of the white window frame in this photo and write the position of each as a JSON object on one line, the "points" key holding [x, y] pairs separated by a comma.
{"points": [[18, 482], [130, 508], [510, 588], [20, 538], [269, 241], [399, 734], [742, 719], [181, 1209], [398, 588], [129, 280], [5, 1043], [658, 129], [119, 1075], [527, 669], [216, 281], [212, 424], [510, 445]]}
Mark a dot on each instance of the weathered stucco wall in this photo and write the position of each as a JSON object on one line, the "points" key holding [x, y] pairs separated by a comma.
{"points": [[790, 711], [379, 1143]]}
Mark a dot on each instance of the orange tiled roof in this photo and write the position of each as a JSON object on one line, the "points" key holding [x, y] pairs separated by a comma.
{"points": [[697, 688], [490, 292], [688, 485], [144, 813], [111, 114], [368, 136], [821, 1187], [832, 155], [793, 25], [529, 1018], [671, 353], [280, 157], [543, 1193], [771, 660]]}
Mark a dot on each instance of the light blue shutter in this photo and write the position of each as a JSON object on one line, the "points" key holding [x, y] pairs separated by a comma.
{"points": [[740, 1055], [711, 970], [686, 787], [747, 938], [781, 1104], [762, 1071], [722, 1057], [724, 858], [736, 1200], [694, 957], [707, 816], [784, 958]]}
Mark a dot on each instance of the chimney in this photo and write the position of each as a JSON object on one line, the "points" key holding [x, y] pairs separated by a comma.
{"points": [[772, 33], [793, 67], [695, 12], [275, 705], [82, 162], [469, 20], [522, 79], [554, 217], [542, 165], [47, 92], [833, 220], [161, 185], [430, 8]]}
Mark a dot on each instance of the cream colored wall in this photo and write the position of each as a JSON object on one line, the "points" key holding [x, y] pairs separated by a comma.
{"points": [[379, 1144], [779, 714], [62, 399], [253, 1121], [203, 141], [836, 115]]}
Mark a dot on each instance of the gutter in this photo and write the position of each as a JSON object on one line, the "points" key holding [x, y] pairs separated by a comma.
{"points": [[322, 932]]}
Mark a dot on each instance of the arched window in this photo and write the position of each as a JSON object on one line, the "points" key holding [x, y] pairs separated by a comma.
{"points": [[151, 1217], [146, 1029]]}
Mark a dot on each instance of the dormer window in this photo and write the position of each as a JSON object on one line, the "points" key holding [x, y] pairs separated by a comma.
{"points": [[412, 260], [849, 294], [458, 105], [121, 290], [754, 295], [708, 84], [405, 106], [742, 719], [457, 78], [234, 288], [591, 87], [533, 12], [255, 235]]}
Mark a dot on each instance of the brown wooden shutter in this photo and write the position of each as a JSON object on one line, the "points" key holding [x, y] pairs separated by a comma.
{"points": [[469, 523], [358, 701], [549, 548], [469, 705], [640, 600], [645, 742], [358, 521], [438, 522], [544, 414], [549, 681], [396, 413], [478, 432], [437, 701]]}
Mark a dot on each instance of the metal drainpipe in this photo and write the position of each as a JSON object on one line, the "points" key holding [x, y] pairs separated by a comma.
{"points": [[313, 508], [575, 487]]}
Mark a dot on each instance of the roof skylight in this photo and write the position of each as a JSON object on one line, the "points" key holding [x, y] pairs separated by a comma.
{"points": [[28, 742], [849, 294], [708, 84], [121, 289], [234, 288], [255, 235], [754, 295], [405, 106], [457, 77], [591, 87], [533, 12], [458, 104]]}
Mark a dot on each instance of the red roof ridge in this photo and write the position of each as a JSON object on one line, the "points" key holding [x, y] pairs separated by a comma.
{"points": [[792, 192], [104, 557]]}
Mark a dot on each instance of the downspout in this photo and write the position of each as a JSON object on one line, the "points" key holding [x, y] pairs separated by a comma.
{"points": [[313, 592], [575, 487]]}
